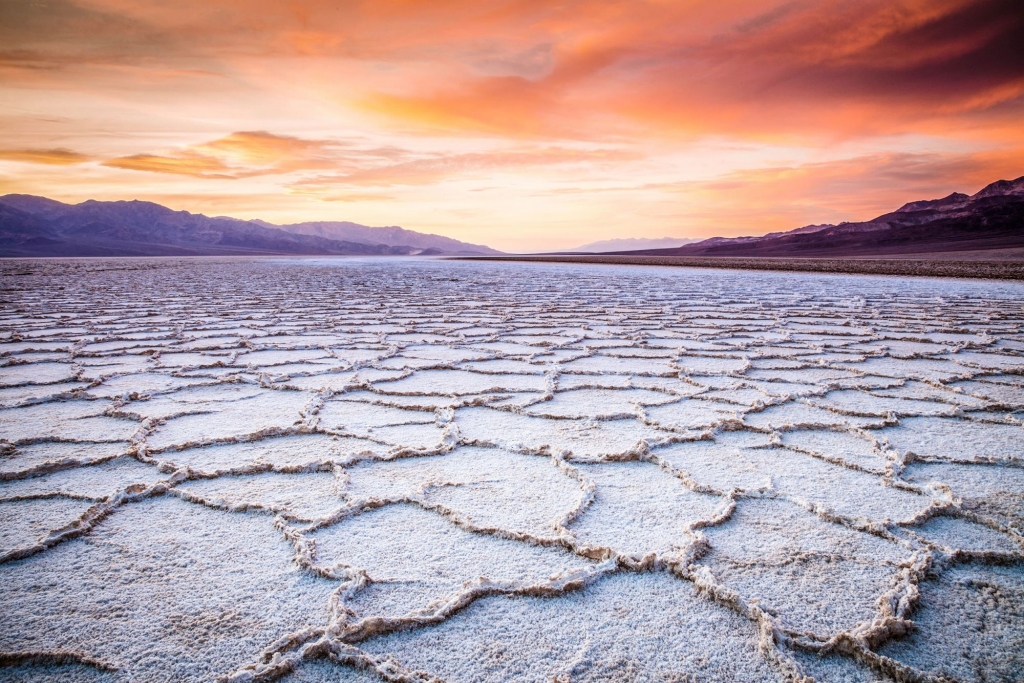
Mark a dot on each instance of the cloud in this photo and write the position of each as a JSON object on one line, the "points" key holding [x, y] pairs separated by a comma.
{"points": [[797, 68], [278, 152], [325, 163], [942, 54], [438, 167], [580, 69], [184, 163], [60, 34], [242, 155], [57, 156]]}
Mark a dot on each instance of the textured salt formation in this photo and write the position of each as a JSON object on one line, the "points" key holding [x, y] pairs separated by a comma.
{"points": [[324, 470]]}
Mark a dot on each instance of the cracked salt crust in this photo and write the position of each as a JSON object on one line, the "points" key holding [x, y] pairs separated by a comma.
{"points": [[163, 590], [422, 471], [36, 373], [796, 563], [630, 627], [956, 439]]}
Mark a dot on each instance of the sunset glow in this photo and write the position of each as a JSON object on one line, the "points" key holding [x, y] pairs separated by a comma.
{"points": [[518, 124]]}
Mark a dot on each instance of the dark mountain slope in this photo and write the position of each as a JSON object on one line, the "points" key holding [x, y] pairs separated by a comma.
{"points": [[991, 219], [36, 226]]}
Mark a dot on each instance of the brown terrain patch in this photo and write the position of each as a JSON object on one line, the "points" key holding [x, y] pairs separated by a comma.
{"points": [[919, 265]]}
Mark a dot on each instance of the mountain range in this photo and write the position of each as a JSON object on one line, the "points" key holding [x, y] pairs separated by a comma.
{"points": [[37, 226], [993, 218]]}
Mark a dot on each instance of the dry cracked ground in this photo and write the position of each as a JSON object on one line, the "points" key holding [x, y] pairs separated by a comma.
{"points": [[343, 470]]}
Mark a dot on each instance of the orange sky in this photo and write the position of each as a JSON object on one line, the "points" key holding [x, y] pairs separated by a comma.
{"points": [[521, 124]]}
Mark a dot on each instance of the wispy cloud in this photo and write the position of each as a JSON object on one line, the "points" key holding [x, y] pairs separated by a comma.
{"points": [[436, 167], [57, 156], [322, 163], [183, 163], [242, 155]]}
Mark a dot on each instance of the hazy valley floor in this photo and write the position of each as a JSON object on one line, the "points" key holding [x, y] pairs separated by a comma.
{"points": [[358, 470]]}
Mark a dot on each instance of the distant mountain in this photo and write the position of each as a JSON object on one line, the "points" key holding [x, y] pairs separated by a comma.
{"points": [[632, 244], [37, 226], [392, 236], [991, 219]]}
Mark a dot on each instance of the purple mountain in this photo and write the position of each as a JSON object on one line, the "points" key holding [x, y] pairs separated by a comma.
{"points": [[37, 226], [991, 219]]}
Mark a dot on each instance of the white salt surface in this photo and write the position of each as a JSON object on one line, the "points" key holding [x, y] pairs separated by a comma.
{"points": [[356, 470]]}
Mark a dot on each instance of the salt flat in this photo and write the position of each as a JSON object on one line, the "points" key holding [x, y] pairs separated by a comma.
{"points": [[401, 470]]}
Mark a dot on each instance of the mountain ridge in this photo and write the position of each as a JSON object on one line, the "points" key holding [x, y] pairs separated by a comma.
{"points": [[38, 226], [992, 218]]}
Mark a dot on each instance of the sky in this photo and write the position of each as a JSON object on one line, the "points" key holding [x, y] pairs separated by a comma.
{"points": [[521, 124]]}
